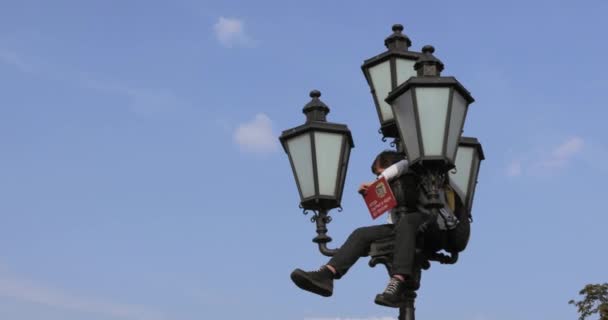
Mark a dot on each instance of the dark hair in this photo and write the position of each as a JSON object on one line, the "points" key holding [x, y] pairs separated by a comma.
{"points": [[386, 158]]}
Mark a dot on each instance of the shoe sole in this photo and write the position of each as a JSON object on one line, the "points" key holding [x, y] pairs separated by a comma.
{"points": [[383, 302], [303, 282]]}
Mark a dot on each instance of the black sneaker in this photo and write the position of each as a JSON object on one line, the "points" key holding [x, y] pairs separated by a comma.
{"points": [[393, 296], [320, 282]]}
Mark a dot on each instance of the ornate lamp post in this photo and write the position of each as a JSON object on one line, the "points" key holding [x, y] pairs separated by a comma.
{"points": [[422, 110], [318, 152], [386, 71]]}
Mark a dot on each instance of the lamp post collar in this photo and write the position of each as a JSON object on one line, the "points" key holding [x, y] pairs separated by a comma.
{"points": [[315, 110], [397, 41], [428, 65]]}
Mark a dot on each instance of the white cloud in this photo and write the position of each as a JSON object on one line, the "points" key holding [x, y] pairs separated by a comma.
{"points": [[256, 135], [562, 154], [230, 33], [25, 290], [543, 160]]}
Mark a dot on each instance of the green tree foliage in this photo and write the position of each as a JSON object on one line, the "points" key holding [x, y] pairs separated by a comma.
{"points": [[595, 300]]}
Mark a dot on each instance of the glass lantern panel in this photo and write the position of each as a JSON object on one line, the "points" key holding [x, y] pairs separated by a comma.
{"points": [[473, 183], [301, 155], [459, 108], [461, 175], [381, 80], [342, 176], [403, 108], [405, 70], [433, 111], [328, 148]]}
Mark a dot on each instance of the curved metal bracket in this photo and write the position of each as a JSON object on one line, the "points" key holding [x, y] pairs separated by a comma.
{"points": [[321, 218]]}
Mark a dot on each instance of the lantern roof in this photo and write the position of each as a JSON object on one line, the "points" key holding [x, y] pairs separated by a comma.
{"points": [[316, 120], [473, 142], [429, 82], [397, 44]]}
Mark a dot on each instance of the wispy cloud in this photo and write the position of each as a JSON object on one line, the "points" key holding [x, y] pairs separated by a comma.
{"points": [[28, 291], [256, 135], [141, 101], [562, 154], [230, 32], [543, 160], [13, 59]]}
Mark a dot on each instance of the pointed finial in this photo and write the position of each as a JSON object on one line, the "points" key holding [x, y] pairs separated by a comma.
{"points": [[428, 65], [397, 40], [315, 110]]}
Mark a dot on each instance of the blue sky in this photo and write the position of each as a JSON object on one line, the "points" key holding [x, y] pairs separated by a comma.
{"points": [[141, 176]]}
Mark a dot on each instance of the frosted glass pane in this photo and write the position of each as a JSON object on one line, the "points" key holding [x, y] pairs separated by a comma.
{"points": [[461, 176], [475, 171], [343, 172], [405, 70], [403, 108], [301, 155], [381, 79], [328, 161], [459, 108], [433, 111]]}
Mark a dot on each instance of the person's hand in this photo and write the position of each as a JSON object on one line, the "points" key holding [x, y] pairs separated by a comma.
{"points": [[363, 187]]}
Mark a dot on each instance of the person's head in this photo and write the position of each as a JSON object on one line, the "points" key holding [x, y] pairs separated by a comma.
{"points": [[385, 159]]}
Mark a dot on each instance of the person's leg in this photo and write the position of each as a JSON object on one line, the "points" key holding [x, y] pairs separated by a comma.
{"points": [[357, 245], [404, 255]]}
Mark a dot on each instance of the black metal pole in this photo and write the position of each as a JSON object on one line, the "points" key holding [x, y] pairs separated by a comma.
{"points": [[322, 219], [407, 312]]}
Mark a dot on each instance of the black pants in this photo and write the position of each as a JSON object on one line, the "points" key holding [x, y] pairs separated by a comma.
{"points": [[358, 243], [406, 233]]}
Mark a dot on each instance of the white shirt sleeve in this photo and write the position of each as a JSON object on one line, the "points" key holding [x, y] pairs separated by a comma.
{"points": [[395, 170]]}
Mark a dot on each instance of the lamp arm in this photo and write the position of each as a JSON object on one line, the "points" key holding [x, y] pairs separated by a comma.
{"points": [[322, 219]]}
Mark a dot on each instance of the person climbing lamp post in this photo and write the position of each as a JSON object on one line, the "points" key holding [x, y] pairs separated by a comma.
{"points": [[421, 110]]}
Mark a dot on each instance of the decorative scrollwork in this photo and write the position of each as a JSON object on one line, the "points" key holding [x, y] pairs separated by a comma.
{"points": [[383, 138], [304, 211], [340, 209]]}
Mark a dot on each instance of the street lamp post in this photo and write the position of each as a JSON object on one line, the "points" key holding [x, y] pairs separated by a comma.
{"points": [[423, 111], [318, 152]]}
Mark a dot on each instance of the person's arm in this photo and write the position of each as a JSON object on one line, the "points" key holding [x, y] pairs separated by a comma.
{"points": [[390, 173], [395, 170]]}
